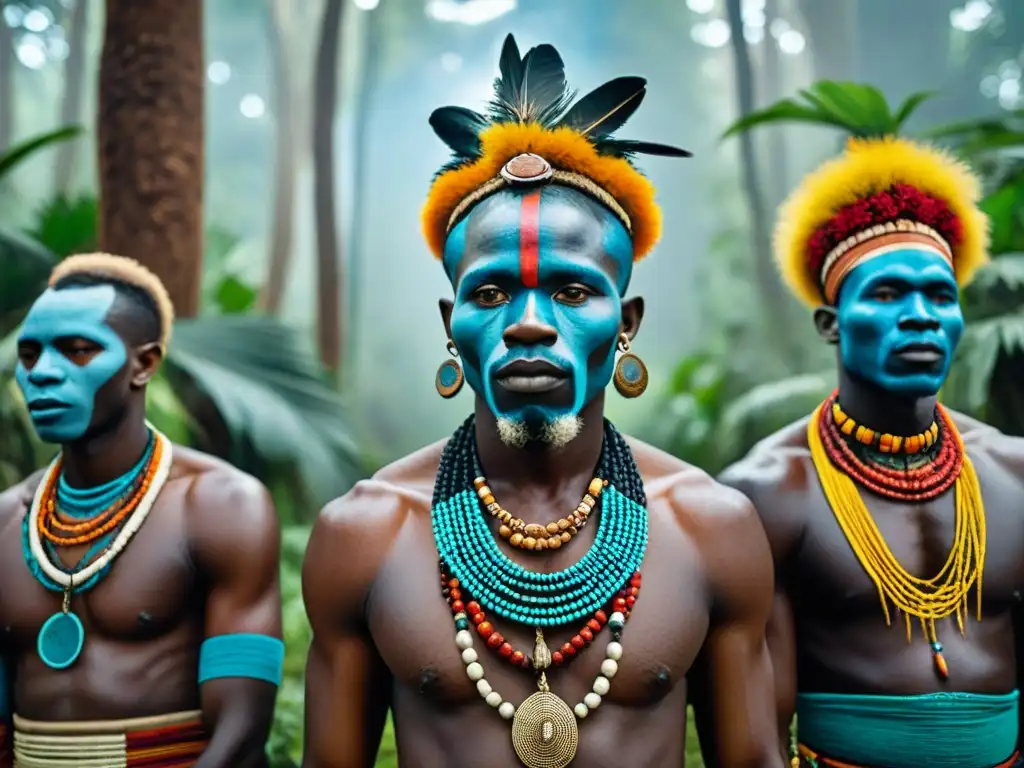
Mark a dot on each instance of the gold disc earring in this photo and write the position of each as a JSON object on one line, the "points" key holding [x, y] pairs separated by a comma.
{"points": [[449, 377], [630, 372]]}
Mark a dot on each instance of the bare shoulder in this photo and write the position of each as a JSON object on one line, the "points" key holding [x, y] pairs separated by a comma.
{"points": [[769, 464], [703, 507], [720, 521], [16, 499], [221, 500], [981, 438], [353, 535]]}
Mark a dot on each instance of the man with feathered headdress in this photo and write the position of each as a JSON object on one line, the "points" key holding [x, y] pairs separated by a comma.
{"points": [[482, 586], [882, 495]]}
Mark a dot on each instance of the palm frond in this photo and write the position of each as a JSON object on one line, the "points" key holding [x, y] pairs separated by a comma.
{"points": [[17, 154], [263, 380]]}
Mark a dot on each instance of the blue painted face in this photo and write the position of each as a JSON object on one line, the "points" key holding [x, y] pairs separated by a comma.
{"points": [[899, 322], [66, 353], [538, 280]]}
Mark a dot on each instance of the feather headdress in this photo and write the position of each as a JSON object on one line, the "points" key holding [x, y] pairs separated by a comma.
{"points": [[533, 133]]}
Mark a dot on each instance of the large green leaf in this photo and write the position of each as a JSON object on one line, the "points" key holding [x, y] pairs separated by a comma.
{"points": [[909, 106], [1005, 209], [68, 226], [25, 267], [861, 108], [766, 408], [21, 152], [263, 380], [784, 111]]}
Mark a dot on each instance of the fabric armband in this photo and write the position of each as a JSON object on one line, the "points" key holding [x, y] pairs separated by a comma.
{"points": [[241, 655]]}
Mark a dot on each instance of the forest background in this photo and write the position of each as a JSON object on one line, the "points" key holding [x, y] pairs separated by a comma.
{"points": [[268, 159]]}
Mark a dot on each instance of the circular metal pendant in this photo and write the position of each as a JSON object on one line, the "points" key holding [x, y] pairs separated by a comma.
{"points": [[544, 732], [60, 640]]}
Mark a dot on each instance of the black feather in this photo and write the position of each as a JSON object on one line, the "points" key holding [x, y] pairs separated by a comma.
{"points": [[628, 148], [460, 129], [544, 96], [531, 88], [606, 108]]}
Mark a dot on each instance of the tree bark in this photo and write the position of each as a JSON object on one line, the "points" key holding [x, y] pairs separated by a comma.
{"points": [[150, 141], [71, 103], [773, 300], [372, 58], [285, 169], [6, 87], [330, 333]]}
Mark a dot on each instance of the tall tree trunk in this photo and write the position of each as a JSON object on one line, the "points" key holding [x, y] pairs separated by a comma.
{"points": [[832, 38], [364, 103], [330, 333], [71, 103], [150, 137], [773, 87], [773, 299], [6, 86], [285, 169]]}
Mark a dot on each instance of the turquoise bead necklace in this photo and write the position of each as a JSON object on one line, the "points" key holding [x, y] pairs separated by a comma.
{"points": [[468, 547], [83, 504]]}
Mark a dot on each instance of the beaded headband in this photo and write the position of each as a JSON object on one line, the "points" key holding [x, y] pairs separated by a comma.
{"points": [[533, 134], [882, 195]]}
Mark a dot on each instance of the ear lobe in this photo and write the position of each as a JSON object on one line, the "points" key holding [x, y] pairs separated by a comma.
{"points": [[632, 316], [146, 363], [446, 306], [826, 321]]}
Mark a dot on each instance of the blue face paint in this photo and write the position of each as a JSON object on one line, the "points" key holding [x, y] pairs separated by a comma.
{"points": [[507, 278], [59, 392], [902, 299]]}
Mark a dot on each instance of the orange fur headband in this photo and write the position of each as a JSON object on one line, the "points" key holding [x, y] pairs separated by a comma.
{"points": [[533, 136]]}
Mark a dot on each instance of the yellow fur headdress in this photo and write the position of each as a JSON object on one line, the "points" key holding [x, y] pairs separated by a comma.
{"points": [[125, 270], [882, 194], [533, 136]]}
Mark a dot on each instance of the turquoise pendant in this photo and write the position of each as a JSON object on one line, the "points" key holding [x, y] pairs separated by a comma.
{"points": [[60, 640], [61, 637]]}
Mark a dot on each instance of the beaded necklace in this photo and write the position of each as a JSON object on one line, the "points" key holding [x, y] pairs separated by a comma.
{"points": [[124, 505], [476, 575], [927, 600]]}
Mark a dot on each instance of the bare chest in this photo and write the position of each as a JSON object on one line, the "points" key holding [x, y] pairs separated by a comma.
{"points": [[831, 572], [145, 593], [413, 630]]}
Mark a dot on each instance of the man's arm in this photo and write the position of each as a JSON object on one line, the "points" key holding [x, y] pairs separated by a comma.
{"points": [[236, 545], [348, 686], [732, 688]]}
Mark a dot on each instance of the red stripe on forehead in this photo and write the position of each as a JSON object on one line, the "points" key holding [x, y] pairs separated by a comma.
{"points": [[529, 237]]}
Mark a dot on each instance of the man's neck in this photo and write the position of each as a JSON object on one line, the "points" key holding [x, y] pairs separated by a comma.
{"points": [[103, 456], [883, 411], [537, 464]]}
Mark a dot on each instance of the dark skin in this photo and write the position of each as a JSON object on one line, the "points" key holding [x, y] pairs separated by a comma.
{"points": [[189, 573], [827, 629], [383, 634]]}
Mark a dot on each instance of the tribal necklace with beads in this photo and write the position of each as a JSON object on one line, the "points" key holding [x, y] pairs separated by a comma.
{"points": [[107, 517], [934, 461], [602, 587]]}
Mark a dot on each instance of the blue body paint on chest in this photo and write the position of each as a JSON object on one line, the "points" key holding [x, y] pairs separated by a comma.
{"points": [[65, 390], [891, 302], [532, 252]]}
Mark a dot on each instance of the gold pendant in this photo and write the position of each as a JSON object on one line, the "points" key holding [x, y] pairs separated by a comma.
{"points": [[544, 732]]}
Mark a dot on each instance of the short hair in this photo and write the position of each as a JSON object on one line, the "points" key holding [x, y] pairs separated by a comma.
{"points": [[130, 279]]}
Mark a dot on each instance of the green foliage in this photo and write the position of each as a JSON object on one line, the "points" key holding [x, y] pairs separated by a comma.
{"points": [[23, 151], [67, 226], [856, 108]]}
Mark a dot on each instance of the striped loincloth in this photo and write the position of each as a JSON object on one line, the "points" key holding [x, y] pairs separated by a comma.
{"points": [[810, 759], [163, 741]]}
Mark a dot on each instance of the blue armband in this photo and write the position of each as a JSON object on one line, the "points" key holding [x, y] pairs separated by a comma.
{"points": [[241, 655]]}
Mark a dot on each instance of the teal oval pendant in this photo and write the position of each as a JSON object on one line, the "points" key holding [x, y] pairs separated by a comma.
{"points": [[60, 640]]}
